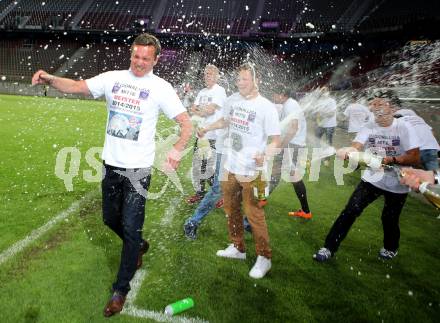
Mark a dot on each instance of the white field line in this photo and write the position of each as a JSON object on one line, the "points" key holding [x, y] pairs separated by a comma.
{"points": [[139, 277], [37, 233], [170, 211], [132, 310]]}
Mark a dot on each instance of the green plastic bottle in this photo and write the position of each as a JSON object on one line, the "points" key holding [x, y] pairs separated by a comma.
{"points": [[179, 306]]}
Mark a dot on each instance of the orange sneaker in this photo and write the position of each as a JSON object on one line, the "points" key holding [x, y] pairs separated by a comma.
{"points": [[301, 214]]}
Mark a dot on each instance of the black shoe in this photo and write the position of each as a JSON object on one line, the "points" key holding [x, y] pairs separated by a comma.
{"points": [[114, 305], [190, 230]]}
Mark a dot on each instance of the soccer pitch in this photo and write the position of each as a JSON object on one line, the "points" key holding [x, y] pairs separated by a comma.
{"points": [[65, 273]]}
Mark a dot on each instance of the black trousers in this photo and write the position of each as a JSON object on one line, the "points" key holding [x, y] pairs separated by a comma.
{"points": [[123, 209], [364, 194]]}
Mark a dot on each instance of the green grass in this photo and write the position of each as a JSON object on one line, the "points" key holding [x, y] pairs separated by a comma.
{"points": [[65, 276]]}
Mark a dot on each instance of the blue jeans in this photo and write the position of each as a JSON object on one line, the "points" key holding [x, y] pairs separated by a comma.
{"points": [[201, 166], [429, 159], [210, 198], [123, 210], [319, 132]]}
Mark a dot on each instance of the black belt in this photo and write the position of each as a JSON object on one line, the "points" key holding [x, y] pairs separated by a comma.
{"points": [[121, 168]]}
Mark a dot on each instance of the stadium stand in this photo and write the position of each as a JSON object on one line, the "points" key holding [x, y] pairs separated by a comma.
{"points": [[20, 58], [293, 50], [42, 14], [200, 16], [4, 4], [284, 12], [117, 15], [394, 14], [323, 15]]}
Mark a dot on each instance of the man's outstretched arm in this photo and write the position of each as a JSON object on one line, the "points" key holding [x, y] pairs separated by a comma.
{"points": [[62, 84]]}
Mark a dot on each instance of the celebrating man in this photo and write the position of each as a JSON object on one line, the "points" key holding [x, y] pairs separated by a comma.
{"points": [[135, 97], [396, 142]]}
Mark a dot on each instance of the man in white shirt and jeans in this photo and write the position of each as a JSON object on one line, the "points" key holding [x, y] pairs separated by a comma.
{"points": [[251, 122], [134, 97], [207, 105], [358, 115], [325, 119], [326, 116], [395, 141]]}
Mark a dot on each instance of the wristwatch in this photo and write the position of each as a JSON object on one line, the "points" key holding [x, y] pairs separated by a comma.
{"points": [[436, 176]]}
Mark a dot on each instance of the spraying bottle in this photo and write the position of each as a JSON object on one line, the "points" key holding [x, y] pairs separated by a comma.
{"points": [[179, 306], [366, 159], [261, 190], [431, 192]]}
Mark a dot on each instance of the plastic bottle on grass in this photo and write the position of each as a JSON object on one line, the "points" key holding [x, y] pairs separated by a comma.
{"points": [[179, 306]]}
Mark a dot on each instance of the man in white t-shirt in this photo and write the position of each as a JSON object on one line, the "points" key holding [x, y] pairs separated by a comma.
{"points": [[325, 120], [293, 138], [251, 121], [325, 116], [134, 97], [207, 105], [429, 146], [358, 115], [395, 141]]}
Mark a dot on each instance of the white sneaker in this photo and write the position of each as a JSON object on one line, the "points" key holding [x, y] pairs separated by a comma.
{"points": [[261, 267], [231, 252]]}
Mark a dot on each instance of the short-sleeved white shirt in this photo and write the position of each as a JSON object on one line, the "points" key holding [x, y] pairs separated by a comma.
{"points": [[423, 131], [327, 112], [251, 122], [133, 105], [216, 95], [292, 111], [358, 115], [390, 141]]}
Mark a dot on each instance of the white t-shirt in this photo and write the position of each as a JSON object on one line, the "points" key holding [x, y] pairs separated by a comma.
{"points": [[280, 109], [405, 112], [251, 122], [133, 105], [292, 111], [423, 131], [358, 115], [390, 141], [215, 95], [326, 113]]}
